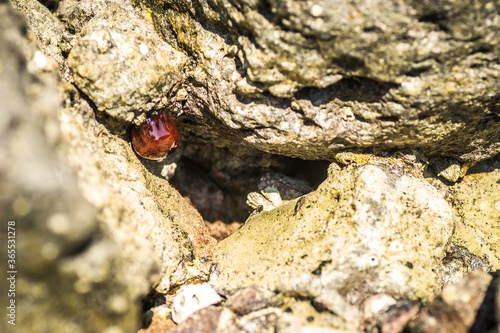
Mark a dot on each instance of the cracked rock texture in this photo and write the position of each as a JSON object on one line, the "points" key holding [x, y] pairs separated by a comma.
{"points": [[365, 230], [310, 78], [143, 211], [122, 64], [95, 230], [479, 212], [402, 95], [301, 79]]}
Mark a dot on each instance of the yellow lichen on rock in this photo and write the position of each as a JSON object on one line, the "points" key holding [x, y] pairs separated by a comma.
{"points": [[478, 228]]}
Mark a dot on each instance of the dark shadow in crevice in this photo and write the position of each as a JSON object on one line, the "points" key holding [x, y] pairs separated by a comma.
{"points": [[220, 194], [51, 5], [214, 200], [348, 89], [416, 72], [487, 121], [114, 125], [487, 319], [436, 18], [81, 246], [357, 89], [151, 300], [388, 119], [349, 63], [264, 9], [485, 166]]}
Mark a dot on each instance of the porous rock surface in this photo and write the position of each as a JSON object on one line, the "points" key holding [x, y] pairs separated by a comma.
{"points": [[61, 250], [365, 230], [479, 213], [341, 81], [122, 64], [302, 79], [310, 78], [96, 231]]}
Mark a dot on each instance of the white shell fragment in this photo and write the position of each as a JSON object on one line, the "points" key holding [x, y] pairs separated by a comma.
{"points": [[192, 298], [266, 200]]}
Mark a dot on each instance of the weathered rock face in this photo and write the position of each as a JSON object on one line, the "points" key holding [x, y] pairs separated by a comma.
{"points": [[123, 65], [61, 250], [90, 243], [299, 79], [143, 212], [351, 82], [308, 79], [455, 310], [363, 232], [479, 197]]}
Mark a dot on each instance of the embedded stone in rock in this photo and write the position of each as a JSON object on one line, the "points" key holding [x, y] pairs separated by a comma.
{"points": [[203, 320], [395, 318], [456, 308], [366, 230], [250, 299], [122, 65]]}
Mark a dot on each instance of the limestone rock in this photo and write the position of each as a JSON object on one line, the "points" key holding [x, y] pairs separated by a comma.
{"points": [[310, 79], [96, 230], [70, 275], [53, 39], [479, 198], [366, 230], [333, 80], [149, 218], [122, 64]]}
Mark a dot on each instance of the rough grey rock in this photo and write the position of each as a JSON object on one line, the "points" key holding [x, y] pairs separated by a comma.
{"points": [[250, 299], [459, 261], [366, 230], [95, 230], [302, 79], [308, 79], [122, 64], [52, 36], [61, 250], [149, 218], [317, 80]]}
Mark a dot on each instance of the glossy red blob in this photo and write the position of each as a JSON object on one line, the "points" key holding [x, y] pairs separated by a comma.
{"points": [[157, 137]]}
